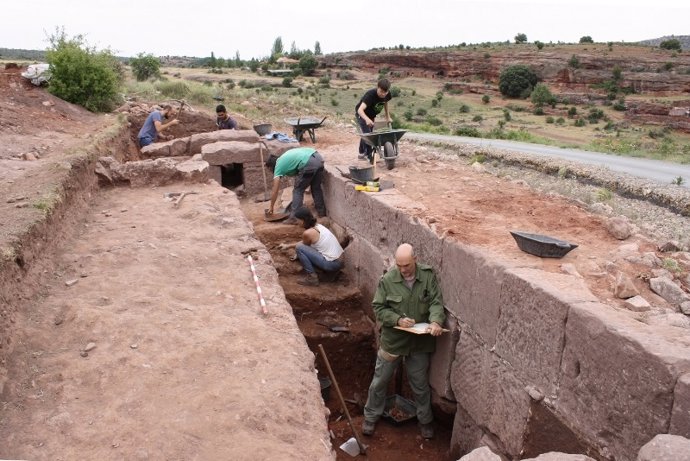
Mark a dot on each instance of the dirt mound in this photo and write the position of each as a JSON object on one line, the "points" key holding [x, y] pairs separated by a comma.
{"points": [[28, 109]]}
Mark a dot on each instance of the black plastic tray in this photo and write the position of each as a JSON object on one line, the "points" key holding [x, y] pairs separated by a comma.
{"points": [[407, 410], [542, 245]]}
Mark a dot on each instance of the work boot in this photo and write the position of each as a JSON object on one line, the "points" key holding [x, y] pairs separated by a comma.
{"points": [[368, 427], [427, 430], [311, 280]]}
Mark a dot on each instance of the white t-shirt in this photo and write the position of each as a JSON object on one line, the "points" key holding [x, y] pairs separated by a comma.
{"points": [[327, 244]]}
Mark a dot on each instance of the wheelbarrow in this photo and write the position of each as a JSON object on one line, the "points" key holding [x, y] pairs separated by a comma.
{"points": [[384, 141], [300, 125]]}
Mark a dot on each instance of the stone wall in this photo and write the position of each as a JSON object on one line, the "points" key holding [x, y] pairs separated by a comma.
{"points": [[534, 361]]}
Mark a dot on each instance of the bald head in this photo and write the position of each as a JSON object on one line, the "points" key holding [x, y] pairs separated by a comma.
{"points": [[406, 261]]}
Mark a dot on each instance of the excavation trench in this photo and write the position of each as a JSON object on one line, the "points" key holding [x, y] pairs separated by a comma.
{"points": [[351, 353]]}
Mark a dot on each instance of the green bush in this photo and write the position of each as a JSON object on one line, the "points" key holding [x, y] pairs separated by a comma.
{"points": [[595, 115], [287, 82], [541, 95], [434, 102], [308, 63], [516, 80], [145, 66], [539, 111], [486, 98], [574, 62], [586, 39], [173, 90], [549, 119], [539, 44], [469, 131], [672, 44], [433, 121], [477, 118], [506, 115], [620, 105], [464, 108], [82, 75], [572, 112], [579, 122], [560, 121], [421, 111], [395, 91], [408, 115]]}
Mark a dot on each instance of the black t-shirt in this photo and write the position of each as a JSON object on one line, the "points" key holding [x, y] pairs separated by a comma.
{"points": [[373, 102]]}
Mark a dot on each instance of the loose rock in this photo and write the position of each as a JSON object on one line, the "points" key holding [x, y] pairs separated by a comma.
{"points": [[637, 304], [665, 447], [619, 227], [668, 290], [624, 287]]}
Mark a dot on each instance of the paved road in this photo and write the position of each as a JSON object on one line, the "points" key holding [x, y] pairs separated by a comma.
{"points": [[663, 172]]}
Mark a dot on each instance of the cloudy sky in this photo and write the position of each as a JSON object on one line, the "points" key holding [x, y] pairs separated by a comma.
{"points": [[189, 28]]}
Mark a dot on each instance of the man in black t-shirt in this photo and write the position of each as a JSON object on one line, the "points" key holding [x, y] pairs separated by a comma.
{"points": [[371, 104], [223, 119]]}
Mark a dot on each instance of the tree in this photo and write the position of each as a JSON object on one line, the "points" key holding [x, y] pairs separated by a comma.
{"points": [[145, 66], [294, 52], [308, 63], [586, 39], [539, 44], [672, 44], [486, 98], [82, 75], [212, 62], [574, 62], [542, 95], [277, 47], [517, 80], [520, 38], [238, 61], [317, 49]]}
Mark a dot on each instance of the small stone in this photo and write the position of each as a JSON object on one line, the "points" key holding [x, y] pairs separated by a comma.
{"points": [[685, 307], [670, 246], [624, 287], [637, 304], [72, 282], [90, 346], [619, 227], [134, 346], [570, 269], [84, 354], [124, 210], [534, 393]]}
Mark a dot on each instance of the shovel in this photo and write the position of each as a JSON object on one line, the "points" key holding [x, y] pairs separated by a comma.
{"points": [[335, 328]]}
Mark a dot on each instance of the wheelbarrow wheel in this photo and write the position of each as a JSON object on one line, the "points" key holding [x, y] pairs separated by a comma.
{"points": [[389, 155]]}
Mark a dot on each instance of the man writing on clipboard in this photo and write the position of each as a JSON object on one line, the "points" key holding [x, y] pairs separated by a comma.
{"points": [[406, 295]]}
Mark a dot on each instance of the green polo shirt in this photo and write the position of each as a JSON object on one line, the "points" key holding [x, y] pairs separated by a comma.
{"points": [[423, 302], [292, 161]]}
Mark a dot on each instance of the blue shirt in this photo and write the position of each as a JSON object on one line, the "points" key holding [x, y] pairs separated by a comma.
{"points": [[149, 128]]}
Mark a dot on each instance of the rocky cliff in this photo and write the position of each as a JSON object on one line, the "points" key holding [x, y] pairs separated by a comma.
{"points": [[646, 70]]}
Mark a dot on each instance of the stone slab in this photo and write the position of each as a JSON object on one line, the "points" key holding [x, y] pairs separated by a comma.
{"points": [[618, 378], [490, 392], [155, 150], [531, 329], [665, 447], [228, 152], [442, 360], [680, 416], [215, 173], [471, 286], [201, 139], [277, 148]]}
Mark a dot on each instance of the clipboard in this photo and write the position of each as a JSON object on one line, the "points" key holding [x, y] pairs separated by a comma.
{"points": [[418, 328]]}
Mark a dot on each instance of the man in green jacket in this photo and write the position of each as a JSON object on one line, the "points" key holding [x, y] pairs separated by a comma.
{"points": [[406, 295]]}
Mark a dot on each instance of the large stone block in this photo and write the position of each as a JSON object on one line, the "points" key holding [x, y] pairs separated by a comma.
{"points": [[365, 264], [228, 152], [216, 173], [618, 378], [467, 435], [680, 417], [442, 359], [277, 148], [471, 285], [665, 447], [156, 150], [253, 175], [201, 139], [487, 388], [481, 454], [531, 329]]}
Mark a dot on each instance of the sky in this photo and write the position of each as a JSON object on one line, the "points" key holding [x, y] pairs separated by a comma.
{"points": [[189, 28]]}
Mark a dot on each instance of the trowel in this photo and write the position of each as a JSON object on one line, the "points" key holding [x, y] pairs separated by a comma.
{"points": [[335, 328]]}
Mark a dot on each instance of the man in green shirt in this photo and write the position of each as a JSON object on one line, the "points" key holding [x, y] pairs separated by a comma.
{"points": [[306, 164], [406, 295]]}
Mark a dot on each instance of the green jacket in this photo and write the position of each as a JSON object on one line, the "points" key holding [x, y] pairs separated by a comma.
{"points": [[423, 303]]}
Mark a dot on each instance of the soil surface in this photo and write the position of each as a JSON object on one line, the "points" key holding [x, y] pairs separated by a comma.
{"points": [[180, 359]]}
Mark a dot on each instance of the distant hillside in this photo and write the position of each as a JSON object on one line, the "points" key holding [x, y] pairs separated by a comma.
{"points": [[24, 55], [683, 39]]}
